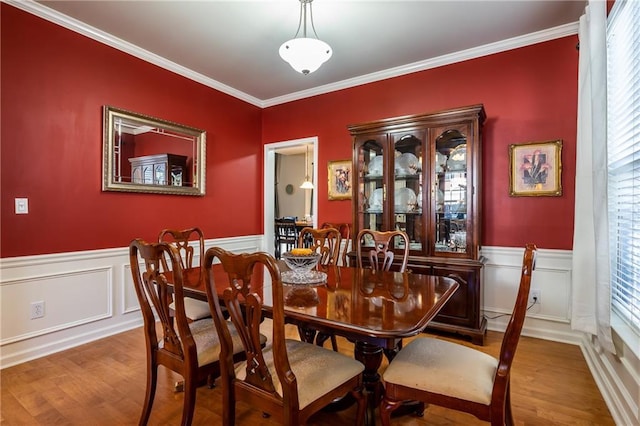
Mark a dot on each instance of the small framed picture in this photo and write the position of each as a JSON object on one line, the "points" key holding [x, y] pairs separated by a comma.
{"points": [[535, 169], [340, 180]]}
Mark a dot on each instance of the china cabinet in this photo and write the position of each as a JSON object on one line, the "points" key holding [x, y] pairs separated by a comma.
{"points": [[159, 169], [421, 174]]}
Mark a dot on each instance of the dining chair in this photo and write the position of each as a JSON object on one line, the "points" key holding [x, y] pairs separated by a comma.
{"points": [[289, 380], [190, 348], [286, 234], [458, 377], [327, 242], [345, 234], [185, 242], [324, 241], [377, 246]]}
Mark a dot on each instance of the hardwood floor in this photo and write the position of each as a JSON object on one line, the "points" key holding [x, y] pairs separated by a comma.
{"points": [[103, 383]]}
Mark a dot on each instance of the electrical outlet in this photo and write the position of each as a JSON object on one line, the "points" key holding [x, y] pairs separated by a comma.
{"points": [[534, 297], [37, 309]]}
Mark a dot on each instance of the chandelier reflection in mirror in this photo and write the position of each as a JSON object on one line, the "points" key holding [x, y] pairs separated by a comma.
{"points": [[305, 54]]}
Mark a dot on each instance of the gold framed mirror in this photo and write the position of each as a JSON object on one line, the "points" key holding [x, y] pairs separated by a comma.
{"points": [[147, 154]]}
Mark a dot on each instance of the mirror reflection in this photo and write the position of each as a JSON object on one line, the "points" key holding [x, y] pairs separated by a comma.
{"points": [[146, 154]]}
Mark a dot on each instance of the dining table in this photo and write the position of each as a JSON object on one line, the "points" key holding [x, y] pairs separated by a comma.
{"points": [[373, 309]]}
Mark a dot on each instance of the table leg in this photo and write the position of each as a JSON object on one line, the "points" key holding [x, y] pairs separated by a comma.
{"points": [[391, 353], [371, 356], [306, 334]]}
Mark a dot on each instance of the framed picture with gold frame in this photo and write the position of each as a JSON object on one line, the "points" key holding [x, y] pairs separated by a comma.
{"points": [[535, 169], [340, 180]]}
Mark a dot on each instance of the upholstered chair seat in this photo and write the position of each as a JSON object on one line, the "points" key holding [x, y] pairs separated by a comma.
{"points": [[207, 342], [194, 308], [444, 368], [307, 362]]}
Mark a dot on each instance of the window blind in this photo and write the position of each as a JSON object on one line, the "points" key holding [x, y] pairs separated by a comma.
{"points": [[623, 146]]}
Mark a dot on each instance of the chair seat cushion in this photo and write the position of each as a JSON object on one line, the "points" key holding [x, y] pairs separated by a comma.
{"points": [[444, 368], [207, 342], [194, 309], [318, 370]]}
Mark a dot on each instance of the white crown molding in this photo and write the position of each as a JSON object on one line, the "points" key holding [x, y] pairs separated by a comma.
{"points": [[464, 55], [124, 46]]}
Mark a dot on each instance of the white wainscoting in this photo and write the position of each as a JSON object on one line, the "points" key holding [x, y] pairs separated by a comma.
{"points": [[89, 295], [548, 319]]}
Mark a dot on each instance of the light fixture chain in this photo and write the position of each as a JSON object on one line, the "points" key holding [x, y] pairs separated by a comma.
{"points": [[300, 20], [313, 27], [304, 25]]}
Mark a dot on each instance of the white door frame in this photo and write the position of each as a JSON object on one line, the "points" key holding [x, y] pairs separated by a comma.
{"points": [[269, 185]]}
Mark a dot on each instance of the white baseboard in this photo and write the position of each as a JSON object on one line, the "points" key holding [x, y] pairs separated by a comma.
{"points": [[616, 380]]}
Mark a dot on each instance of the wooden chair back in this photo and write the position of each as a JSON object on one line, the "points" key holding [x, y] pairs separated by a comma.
{"points": [[267, 380], [286, 234], [324, 241], [377, 246], [189, 243], [345, 234], [176, 348], [185, 241], [243, 300], [514, 328]]}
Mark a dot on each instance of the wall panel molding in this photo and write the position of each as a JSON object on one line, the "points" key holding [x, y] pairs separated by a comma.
{"points": [[550, 319], [88, 296], [72, 298]]}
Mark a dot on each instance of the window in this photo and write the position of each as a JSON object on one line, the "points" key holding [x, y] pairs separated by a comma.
{"points": [[623, 145]]}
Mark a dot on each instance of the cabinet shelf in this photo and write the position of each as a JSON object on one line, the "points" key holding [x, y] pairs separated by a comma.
{"points": [[407, 177]]}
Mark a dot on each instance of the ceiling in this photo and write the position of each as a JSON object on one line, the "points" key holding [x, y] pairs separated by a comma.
{"points": [[233, 45]]}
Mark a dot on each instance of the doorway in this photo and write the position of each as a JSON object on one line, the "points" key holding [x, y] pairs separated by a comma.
{"points": [[292, 147]]}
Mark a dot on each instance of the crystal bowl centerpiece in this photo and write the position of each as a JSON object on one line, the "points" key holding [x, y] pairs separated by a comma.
{"points": [[301, 261], [302, 264]]}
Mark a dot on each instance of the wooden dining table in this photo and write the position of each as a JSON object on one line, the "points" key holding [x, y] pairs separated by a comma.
{"points": [[373, 309]]}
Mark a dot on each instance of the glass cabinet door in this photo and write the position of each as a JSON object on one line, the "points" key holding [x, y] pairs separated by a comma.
{"points": [[406, 193], [160, 174], [371, 191], [451, 191]]}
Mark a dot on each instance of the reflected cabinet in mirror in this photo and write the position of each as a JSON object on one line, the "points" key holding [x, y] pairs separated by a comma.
{"points": [[146, 154]]}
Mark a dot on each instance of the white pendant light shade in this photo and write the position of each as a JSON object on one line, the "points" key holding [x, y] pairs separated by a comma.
{"points": [[305, 55], [306, 184]]}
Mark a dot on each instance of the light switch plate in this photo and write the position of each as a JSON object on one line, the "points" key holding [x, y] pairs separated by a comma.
{"points": [[22, 205]]}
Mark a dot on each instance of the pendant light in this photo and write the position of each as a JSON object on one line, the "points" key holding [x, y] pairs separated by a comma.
{"points": [[305, 54], [307, 184]]}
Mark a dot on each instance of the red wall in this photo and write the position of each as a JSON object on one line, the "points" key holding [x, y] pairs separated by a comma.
{"points": [[54, 84], [529, 94]]}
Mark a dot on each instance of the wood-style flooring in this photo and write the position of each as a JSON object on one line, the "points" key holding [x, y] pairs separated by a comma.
{"points": [[103, 383]]}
